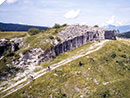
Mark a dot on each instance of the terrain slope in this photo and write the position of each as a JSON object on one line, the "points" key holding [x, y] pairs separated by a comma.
{"points": [[101, 73]]}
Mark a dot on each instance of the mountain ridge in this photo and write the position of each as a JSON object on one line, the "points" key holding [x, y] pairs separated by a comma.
{"points": [[122, 28], [18, 27]]}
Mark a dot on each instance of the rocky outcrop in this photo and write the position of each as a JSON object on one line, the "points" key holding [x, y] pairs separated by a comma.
{"points": [[3, 46], [72, 37], [8, 46], [33, 57]]}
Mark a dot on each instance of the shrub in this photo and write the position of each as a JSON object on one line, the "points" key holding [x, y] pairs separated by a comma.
{"points": [[16, 56], [55, 32], [120, 63], [80, 63], [91, 60], [105, 94], [124, 56], [51, 37], [96, 26], [56, 26], [25, 51], [58, 39], [113, 55], [33, 31], [8, 52], [42, 31]]}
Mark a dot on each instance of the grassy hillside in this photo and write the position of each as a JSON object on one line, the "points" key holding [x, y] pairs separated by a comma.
{"points": [[45, 39], [102, 74], [8, 35]]}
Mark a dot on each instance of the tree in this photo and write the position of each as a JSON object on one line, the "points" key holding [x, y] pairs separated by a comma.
{"points": [[51, 37], [56, 26], [33, 31], [64, 25], [42, 31]]}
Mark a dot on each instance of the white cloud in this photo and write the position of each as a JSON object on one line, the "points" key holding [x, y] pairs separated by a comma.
{"points": [[1, 1], [72, 13], [113, 21], [11, 1]]}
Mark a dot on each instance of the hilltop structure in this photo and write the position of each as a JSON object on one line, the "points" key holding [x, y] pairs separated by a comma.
{"points": [[92, 33], [71, 37], [76, 36]]}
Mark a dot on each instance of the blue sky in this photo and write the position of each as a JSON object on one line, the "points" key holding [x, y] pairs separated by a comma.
{"points": [[49, 12]]}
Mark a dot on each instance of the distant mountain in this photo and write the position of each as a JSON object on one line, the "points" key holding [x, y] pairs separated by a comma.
{"points": [[18, 27], [122, 29], [124, 35]]}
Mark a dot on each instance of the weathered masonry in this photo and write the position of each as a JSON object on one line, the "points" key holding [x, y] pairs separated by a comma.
{"points": [[78, 36]]}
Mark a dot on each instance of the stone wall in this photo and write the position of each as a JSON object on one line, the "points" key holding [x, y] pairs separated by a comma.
{"points": [[81, 40], [110, 35]]}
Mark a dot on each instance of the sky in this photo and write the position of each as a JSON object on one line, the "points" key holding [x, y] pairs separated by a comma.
{"points": [[49, 12]]}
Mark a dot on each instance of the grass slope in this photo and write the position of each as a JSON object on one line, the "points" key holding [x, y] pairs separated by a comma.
{"points": [[9, 35], [102, 74], [44, 40]]}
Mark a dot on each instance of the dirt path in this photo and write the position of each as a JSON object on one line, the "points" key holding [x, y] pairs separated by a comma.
{"points": [[36, 75]]}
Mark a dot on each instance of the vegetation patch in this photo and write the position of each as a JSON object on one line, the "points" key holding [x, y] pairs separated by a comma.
{"points": [[33, 31], [6, 66], [9, 35], [99, 77]]}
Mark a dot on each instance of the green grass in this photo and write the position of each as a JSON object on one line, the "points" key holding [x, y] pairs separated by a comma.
{"points": [[44, 39], [108, 65], [7, 59], [117, 89], [8, 35]]}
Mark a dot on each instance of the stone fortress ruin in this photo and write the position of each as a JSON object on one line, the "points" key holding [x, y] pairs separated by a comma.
{"points": [[71, 37], [75, 36], [92, 33]]}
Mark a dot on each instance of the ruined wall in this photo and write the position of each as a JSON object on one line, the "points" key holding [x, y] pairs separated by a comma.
{"points": [[81, 40], [37, 55], [110, 35]]}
